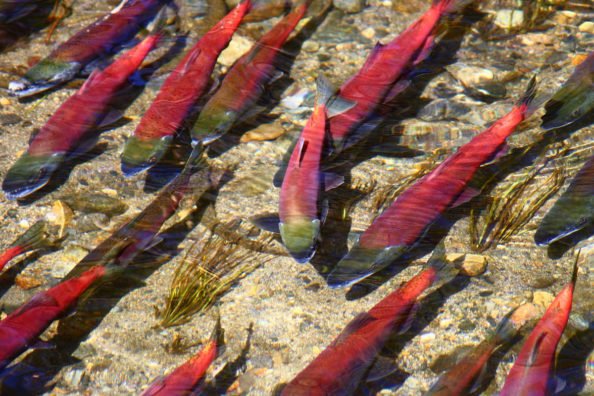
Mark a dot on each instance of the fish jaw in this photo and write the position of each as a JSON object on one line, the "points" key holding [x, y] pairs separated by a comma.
{"points": [[44, 75], [30, 173], [140, 154], [300, 236], [361, 262], [212, 125]]}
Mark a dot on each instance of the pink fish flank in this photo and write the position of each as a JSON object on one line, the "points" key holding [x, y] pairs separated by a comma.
{"points": [[406, 220], [384, 67], [532, 371], [22, 327], [185, 379], [189, 80], [179, 95], [340, 367], [86, 109], [404, 223], [301, 185]]}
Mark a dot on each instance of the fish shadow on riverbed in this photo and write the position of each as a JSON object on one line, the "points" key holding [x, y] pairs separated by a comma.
{"points": [[428, 311], [557, 249], [228, 374], [35, 373], [572, 360], [8, 276], [12, 32]]}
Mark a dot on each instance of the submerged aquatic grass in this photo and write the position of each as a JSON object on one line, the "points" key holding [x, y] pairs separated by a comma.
{"points": [[62, 9], [511, 207], [206, 272]]}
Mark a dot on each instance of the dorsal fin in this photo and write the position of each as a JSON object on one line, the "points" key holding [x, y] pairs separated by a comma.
{"points": [[360, 321], [191, 59], [89, 82], [302, 149], [535, 350]]}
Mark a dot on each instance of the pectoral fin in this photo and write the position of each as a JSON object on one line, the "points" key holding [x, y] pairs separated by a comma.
{"points": [[267, 222]]}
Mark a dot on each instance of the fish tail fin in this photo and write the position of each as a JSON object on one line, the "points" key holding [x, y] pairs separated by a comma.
{"points": [[326, 95], [574, 273], [527, 102], [36, 237], [159, 23], [325, 90], [506, 330], [218, 334], [438, 261], [573, 100], [196, 160]]}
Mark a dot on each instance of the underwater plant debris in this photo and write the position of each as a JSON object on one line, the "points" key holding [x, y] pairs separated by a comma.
{"points": [[206, 272], [511, 207]]}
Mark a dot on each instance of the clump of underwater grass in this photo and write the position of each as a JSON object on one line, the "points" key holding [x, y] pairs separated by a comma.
{"points": [[206, 272], [62, 9], [510, 208]]}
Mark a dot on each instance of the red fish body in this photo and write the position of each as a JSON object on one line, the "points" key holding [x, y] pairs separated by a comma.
{"points": [[531, 374], [178, 96], [245, 82], [187, 377], [461, 378], [9, 254], [20, 329], [385, 66], [405, 222], [96, 40], [69, 128], [340, 367], [298, 206]]}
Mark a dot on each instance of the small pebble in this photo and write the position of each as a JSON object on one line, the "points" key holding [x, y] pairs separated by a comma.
{"points": [[542, 298], [27, 282], [10, 119], [263, 132], [368, 33], [311, 46], [473, 265], [237, 47], [523, 314], [470, 76], [509, 19], [349, 6], [587, 27], [426, 338], [4, 101], [565, 17]]}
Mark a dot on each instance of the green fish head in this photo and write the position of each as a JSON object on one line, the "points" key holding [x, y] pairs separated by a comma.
{"points": [[300, 236], [29, 173], [43, 76], [211, 125], [139, 154], [361, 262]]}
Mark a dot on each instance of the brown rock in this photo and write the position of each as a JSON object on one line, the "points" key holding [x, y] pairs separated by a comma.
{"points": [[473, 265], [263, 132], [27, 282]]}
